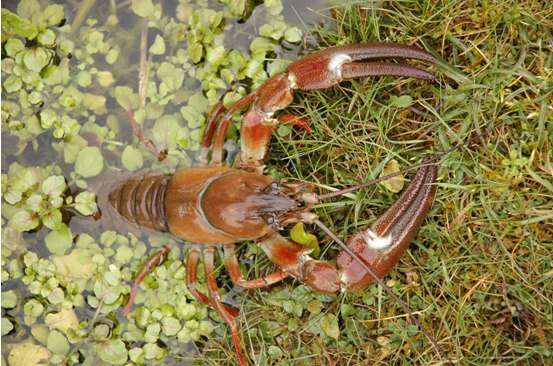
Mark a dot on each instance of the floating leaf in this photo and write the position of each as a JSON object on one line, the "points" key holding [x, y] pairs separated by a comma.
{"points": [[126, 98], [28, 354], [52, 219], [47, 118], [75, 266], [54, 185], [143, 8], [170, 326], [236, 7], [274, 6], [293, 35], [158, 47], [394, 184], [54, 15], [329, 326], [13, 83], [13, 46], [14, 24], [132, 158], [153, 351], [167, 132], [28, 8], [56, 296], [58, 241], [104, 78], [89, 162], [9, 299], [23, 221], [63, 320], [57, 343], [300, 236], [215, 55], [36, 58], [170, 76], [195, 52], [47, 37], [85, 203], [7, 326]]}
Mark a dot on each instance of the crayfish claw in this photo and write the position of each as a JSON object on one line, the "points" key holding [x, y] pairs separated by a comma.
{"points": [[381, 246]]}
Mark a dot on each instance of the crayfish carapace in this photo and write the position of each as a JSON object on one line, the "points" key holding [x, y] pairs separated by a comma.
{"points": [[217, 205]]}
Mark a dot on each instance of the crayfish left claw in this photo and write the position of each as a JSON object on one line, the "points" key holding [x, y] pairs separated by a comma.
{"points": [[382, 246], [330, 66]]}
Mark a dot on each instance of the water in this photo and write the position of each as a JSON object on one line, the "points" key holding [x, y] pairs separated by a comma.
{"points": [[41, 152]]}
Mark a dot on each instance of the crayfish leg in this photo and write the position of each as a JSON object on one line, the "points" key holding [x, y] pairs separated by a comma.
{"points": [[154, 261], [233, 268], [219, 306], [192, 260], [293, 258]]}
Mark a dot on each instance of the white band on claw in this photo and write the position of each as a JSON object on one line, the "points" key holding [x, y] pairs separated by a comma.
{"points": [[335, 64], [374, 241]]}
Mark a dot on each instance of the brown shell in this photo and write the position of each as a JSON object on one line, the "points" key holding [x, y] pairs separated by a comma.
{"points": [[211, 205]]}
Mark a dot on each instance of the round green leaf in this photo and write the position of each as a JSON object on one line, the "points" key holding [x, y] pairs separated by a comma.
{"points": [[54, 15], [132, 158], [47, 37], [28, 354], [329, 325], [14, 24], [89, 162], [7, 326], [13, 46], [126, 98], [170, 326], [58, 241], [143, 8], [9, 299], [292, 35], [85, 203], [36, 59], [23, 221], [13, 83], [54, 185], [57, 343], [158, 47]]}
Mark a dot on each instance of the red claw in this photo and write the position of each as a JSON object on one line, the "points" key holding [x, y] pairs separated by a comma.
{"points": [[328, 67], [382, 246]]}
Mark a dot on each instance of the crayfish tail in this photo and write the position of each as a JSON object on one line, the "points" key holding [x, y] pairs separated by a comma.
{"points": [[141, 201]]}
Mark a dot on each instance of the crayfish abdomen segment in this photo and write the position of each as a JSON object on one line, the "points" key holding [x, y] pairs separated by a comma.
{"points": [[140, 200]]}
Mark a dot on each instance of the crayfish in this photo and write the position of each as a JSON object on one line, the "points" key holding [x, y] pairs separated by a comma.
{"points": [[217, 205]]}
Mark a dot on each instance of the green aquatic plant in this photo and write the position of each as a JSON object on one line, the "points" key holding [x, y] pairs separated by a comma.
{"points": [[68, 97]]}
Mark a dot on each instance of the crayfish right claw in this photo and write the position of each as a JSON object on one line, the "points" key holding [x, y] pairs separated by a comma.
{"points": [[382, 246]]}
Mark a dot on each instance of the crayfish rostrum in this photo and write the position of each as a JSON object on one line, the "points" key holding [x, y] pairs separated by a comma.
{"points": [[217, 205]]}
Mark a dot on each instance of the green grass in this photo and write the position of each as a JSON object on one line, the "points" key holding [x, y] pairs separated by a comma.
{"points": [[479, 275]]}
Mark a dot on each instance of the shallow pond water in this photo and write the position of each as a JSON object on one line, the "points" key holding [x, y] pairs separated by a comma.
{"points": [[98, 49]]}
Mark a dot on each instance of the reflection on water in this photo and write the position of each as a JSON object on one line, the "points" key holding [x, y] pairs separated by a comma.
{"points": [[45, 149]]}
